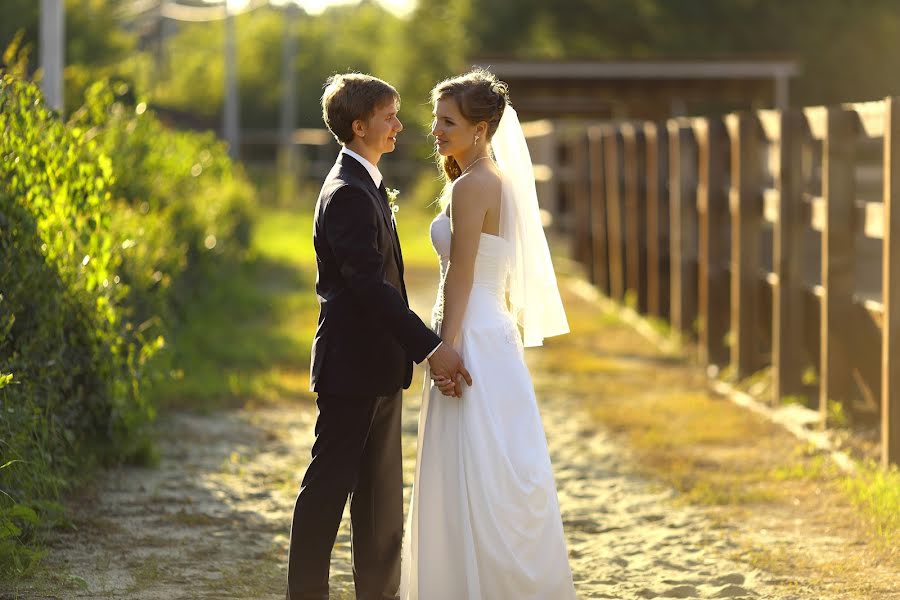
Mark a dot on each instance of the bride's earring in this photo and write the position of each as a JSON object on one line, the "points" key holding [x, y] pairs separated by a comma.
{"points": [[476, 140]]}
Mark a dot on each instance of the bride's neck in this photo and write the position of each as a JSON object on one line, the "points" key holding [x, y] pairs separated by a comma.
{"points": [[465, 160]]}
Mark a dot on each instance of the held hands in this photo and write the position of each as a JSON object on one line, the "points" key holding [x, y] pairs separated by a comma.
{"points": [[448, 387], [448, 372]]}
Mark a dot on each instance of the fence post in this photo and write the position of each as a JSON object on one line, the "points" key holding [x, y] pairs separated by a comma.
{"points": [[712, 208], [614, 224], [838, 256], [597, 183], [890, 334], [683, 229], [579, 193], [746, 214], [635, 215], [657, 220], [787, 309]]}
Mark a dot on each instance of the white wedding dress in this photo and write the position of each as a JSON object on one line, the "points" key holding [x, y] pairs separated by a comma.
{"points": [[484, 520]]}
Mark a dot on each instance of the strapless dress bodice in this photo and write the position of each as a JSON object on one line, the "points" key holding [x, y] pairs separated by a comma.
{"points": [[487, 300], [491, 262]]}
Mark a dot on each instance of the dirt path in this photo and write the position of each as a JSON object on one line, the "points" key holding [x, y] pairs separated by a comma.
{"points": [[212, 520]]}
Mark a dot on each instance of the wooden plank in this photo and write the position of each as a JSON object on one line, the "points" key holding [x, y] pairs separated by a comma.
{"points": [[787, 300], [745, 203], [816, 120], [641, 178], [635, 216], [770, 120], [873, 220], [598, 209], [890, 336], [714, 233], [614, 224], [771, 204], [683, 228], [868, 217], [871, 116], [657, 220], [817, 213], [838, 258]]}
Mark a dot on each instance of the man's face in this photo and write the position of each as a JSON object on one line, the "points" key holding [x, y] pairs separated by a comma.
{"points": [[382, 128]]}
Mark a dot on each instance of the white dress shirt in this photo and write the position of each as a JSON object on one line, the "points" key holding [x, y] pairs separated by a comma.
{"points": [[374, 173]]}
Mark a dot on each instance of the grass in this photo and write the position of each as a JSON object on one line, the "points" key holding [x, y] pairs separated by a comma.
{"points": [[688, 439], [246, 338], [877, 493]]}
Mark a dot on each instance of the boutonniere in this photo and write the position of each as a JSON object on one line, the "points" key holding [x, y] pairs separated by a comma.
{"points": [[392, 199]]}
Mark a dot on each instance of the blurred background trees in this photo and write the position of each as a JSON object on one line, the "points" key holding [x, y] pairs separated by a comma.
{"points": [[846, 51]]}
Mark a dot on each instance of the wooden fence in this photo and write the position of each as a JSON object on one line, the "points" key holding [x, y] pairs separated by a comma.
{"points": [[771, 238]]}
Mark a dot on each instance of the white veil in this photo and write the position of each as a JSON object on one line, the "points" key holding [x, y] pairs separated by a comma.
{"points": [[533, 291]]}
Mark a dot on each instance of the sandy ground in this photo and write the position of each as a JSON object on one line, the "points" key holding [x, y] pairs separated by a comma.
{"points": [[212, 520]]}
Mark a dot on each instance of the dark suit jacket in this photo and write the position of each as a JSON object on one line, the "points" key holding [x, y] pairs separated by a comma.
{"points": [[367, 337]]}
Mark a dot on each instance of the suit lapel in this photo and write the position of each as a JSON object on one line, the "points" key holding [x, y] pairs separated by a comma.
{"points": [[354, 166]]}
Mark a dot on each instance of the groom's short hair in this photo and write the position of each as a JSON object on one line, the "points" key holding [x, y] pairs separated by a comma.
{"points": [[353, 96]]}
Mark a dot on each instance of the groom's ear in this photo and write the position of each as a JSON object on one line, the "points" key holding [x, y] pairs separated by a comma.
{"points": [[359, 128]]}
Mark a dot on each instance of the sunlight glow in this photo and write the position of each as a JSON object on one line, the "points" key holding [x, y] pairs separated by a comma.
{"points": [[398, 7]]}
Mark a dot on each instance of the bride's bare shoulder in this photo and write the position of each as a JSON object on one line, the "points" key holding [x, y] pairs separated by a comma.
{"points": [[481, 187]]}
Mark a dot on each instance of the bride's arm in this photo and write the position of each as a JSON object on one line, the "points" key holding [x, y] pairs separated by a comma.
{"points": [[467, 213]]}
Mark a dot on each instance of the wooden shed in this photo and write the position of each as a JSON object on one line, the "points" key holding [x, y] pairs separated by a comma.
{"points": [[642, 89]]}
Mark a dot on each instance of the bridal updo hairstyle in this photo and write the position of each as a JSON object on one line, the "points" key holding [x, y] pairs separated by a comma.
{"points": [[480, 96], [352, 97]]}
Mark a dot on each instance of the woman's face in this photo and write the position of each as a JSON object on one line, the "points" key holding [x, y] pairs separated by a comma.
{"points": [[452, 132]]}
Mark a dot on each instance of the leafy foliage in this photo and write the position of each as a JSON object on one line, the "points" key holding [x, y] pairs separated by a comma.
{"points": [[108, 222]]}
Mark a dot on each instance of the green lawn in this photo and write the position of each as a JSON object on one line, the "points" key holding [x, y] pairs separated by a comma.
{"points": [[246, 338]]}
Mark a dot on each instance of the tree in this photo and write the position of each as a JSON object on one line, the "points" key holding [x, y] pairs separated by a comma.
{"points": [[96, 45]]}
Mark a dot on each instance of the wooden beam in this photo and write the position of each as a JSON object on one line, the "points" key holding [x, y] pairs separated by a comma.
{"points": [[712, 208], [52, 39], [838, 257], [635, 215], [683, 227], [868, 218], [614, 222], [599, 235], [787, 300], [745, 203], [578, 192], [890, 334], [657, 220]]}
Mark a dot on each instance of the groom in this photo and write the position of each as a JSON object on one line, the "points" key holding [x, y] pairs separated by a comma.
{"points": [[366, 341]]}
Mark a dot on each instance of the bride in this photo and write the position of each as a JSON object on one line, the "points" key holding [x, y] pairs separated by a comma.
{"points": [[484, 521]]}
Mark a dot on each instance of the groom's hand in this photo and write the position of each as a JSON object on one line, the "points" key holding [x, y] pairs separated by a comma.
{"points": [[446, 363]]}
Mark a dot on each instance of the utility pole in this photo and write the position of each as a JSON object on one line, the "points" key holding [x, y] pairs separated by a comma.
{"points": [[287, 155], [53, 43], [163, 26], [232, 102]]}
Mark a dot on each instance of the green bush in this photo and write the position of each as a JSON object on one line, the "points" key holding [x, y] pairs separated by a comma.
{"points": [[108, 223]]}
